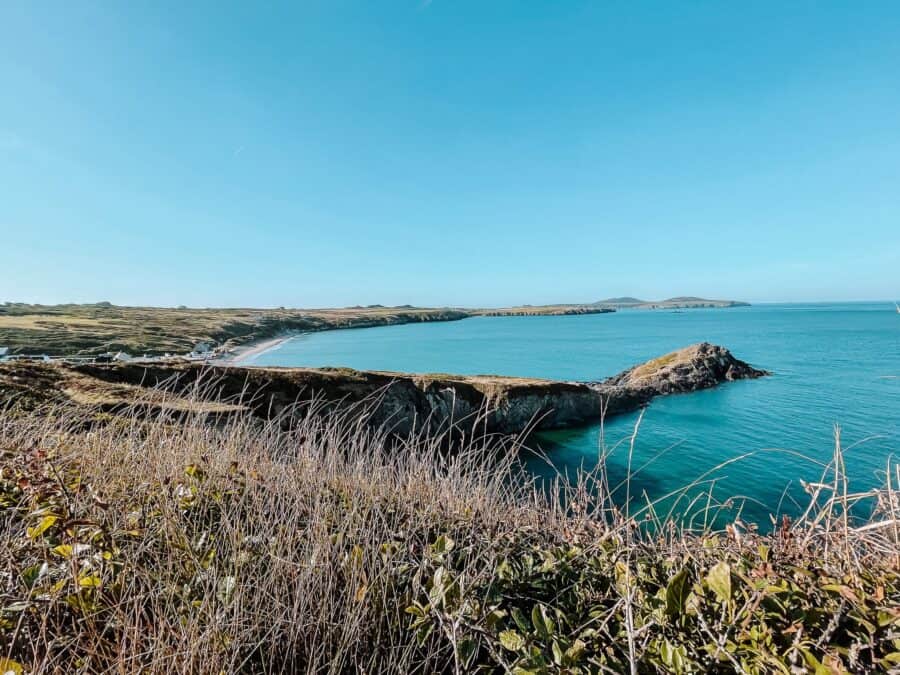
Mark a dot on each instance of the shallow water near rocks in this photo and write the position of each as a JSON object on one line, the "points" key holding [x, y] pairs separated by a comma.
{"points": [[832, 363]]}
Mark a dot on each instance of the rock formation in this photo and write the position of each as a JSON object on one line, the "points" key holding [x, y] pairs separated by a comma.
{"points": [[699, 366], [400, 401]]}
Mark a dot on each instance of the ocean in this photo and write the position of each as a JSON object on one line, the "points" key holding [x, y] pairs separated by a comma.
{"points": [[833, 365]]}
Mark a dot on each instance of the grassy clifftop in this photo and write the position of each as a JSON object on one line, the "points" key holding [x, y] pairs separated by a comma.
{"points": [[94, 329], [405, 401], [86, 330], [141, 546]]}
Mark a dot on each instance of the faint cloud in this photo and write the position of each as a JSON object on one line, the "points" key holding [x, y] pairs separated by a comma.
{"points": [[425, 4], [237, 151]]}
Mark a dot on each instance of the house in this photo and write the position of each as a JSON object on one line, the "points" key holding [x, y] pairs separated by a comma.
{"points": [[4, 352], [122, 356]]}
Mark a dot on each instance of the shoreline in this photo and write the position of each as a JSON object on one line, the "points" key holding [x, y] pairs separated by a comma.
{"points": [[238, 356]]}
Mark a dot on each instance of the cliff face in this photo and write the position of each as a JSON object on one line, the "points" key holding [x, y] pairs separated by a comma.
{"points": [[400, 401]]}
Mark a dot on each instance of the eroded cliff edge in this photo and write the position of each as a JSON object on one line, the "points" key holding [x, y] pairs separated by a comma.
{"points": [[402, 402]]}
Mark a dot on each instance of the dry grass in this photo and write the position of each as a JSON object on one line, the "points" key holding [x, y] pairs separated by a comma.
{"points": [[652, 367], [42, 322], [68, 330], [92, 329], [138, 545]]}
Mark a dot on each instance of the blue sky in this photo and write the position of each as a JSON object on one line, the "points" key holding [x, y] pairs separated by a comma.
{"points": [[482, 152]]}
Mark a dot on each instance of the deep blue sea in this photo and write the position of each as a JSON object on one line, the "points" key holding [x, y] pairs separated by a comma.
{"points": [[833, 364]]}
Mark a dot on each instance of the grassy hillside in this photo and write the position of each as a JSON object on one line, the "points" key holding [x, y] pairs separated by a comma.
{"points": [[88, 330], [141, 546], [98, 328]]}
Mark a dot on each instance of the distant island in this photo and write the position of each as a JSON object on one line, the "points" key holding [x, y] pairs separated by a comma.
{"points": [[679, 302]]}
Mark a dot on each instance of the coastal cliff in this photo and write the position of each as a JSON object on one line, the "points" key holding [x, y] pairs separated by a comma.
{"points": [[401, 402]]}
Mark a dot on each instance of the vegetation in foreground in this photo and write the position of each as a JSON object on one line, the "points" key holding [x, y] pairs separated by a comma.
{"points": [[136, 545]]}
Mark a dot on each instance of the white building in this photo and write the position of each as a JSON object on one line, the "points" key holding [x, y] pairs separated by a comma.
{"points": [[4, 352]]}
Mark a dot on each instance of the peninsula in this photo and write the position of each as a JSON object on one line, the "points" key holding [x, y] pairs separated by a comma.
{"points": [[398, 401]]}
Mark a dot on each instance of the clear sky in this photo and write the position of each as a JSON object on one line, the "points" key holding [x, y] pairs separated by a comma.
{"points": [[451, 152]]}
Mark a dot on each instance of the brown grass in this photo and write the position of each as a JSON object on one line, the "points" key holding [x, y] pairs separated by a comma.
{"points": [[136, 545]]}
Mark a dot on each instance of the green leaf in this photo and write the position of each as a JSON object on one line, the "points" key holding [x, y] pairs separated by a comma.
{"points": [[207, 559], [442, 545], [46, 523], [719, 581], [493, 618], [194, 471], [30, 575], [672, 656], [512, 640], [677, 593], [65, 550], [423, 633], [89, 581], [519, 617], [557, 653], [537, 620], [415, 610], [576, 651], [466, 650]]}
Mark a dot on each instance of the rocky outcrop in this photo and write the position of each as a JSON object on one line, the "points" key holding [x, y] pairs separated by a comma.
{"points": [[399, 401], [699, 366]]}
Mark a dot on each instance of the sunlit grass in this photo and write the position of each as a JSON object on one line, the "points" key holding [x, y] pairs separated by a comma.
{"points": [[176, 545]]}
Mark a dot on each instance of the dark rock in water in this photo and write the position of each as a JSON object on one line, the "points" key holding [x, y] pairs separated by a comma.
{"points": [[699, 366]]}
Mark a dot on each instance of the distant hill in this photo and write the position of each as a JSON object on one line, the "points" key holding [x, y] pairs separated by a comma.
{"points": [[621, 302], [678, 302]]}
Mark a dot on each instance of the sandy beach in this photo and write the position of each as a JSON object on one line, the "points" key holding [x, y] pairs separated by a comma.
{"points": [[241, 355]]}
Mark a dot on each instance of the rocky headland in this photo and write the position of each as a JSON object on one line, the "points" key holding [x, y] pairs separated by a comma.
{"points": [[700, 366], [402, 402]]}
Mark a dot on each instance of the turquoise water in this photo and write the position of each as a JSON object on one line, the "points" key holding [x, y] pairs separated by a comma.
{"points": [[833, 364]]}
